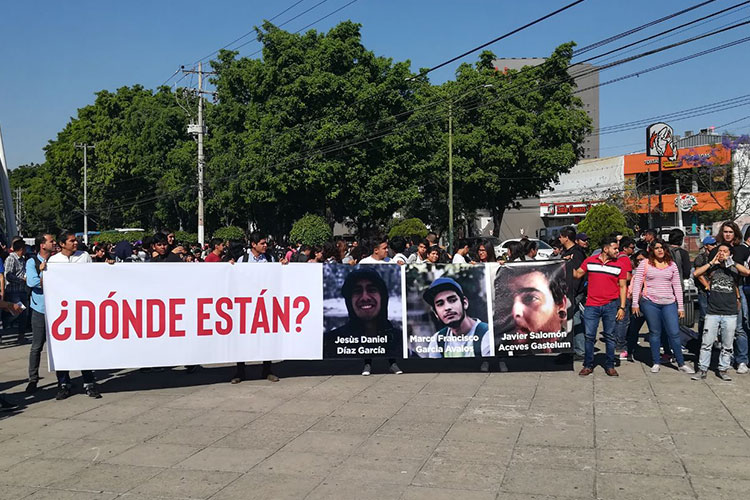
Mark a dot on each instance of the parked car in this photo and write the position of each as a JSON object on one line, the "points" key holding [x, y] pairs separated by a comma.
{"points": [[544, 250]]}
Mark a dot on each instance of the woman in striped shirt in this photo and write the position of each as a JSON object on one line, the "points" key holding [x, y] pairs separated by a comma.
{"points": [[657, 292]]}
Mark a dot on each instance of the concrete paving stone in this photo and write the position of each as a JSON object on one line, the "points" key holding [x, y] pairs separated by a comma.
{"points": [[430, 400], [465, 451], [617, 486], [711, 466], [628, 408], [494, 415], [694, 410], [570, 407], [40, 472], [724, 446], [154, 455], [557, 482], [191, 436], [224, 459], [8, 461], [618, 424], [107, 478], [356, 491], [550, 457], [389, 446], [92, 450], [61, 409], [196, 402], [252, 403], [643, 440], [21, 424], [411, 384], [503, 495], [516, 379], [298, 406], [11, 492], [705, 427], [286, 421], [415, 428], [537, 418], [7, 435], [350, 409], [505, 435], [365, 469], [438, 473], [417, 413], [230, 419], [165, 415], [27, 446], [149, 399], [299, 463], [256, 485], [60, 494], [493, 393], [639, 462], [444, 389], [73, 429], [493, 390], [558, 434], [373, 396], [132, 432], [272, 439], [332, 443], [424, 493], [720, 489], [176, 483], [114, 412], [349, 425]]}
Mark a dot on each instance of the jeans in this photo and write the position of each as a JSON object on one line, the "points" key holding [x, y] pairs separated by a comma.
{"points": [[16, 324], [579, 337], [634, 328], [38, 338], [740, 335], [662, 318], [702, 309], [621, 329], [591, 315], [714, 322]]}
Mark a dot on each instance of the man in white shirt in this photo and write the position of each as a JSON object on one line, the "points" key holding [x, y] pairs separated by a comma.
{"points": [[379, 252], [69, 253], [462, 250]]}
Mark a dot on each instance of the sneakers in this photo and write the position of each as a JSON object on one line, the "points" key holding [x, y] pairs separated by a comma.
{"points": [[367, 370], [655, 368], [6, 405], [723, 376], [31, 388], [585, 371], [624, 355], [395, 369], [701, 375], [238, 377], [272, 378], [92, 391], [742, 368], [63, 392], [686, 369]]}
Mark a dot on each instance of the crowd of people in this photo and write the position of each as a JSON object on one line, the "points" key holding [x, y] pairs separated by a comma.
{"points": [[622, 285]]}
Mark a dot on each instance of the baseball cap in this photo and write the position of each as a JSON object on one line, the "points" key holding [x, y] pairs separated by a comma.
{"points": [[440, 285], [709, 240], [582, 236]]}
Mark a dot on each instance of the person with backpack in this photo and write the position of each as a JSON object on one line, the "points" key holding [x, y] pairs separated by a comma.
{"points": [[657, 294]]}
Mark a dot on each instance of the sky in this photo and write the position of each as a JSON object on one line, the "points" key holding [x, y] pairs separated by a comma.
{"points": [[57, 55]]}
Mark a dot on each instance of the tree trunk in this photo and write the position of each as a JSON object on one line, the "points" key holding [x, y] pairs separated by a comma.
{"points": [[497, 218]]}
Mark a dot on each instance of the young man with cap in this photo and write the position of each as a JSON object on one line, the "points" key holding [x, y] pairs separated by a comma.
{"points": [[605, 301], [582, 240], [701, 282], [462, 336]]}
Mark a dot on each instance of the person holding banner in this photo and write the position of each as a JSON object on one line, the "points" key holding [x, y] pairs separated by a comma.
{"points": [[258, 254], [462, 336], [605, 302], [35, 268]]}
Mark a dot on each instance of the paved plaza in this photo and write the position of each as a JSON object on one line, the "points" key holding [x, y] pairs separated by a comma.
{"points": [[457, 434]]}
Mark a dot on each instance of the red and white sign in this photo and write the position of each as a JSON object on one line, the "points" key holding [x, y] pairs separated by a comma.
{"points": [[134, 315], [566, 209]]}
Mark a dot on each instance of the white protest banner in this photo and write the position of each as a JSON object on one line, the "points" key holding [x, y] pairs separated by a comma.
{"points": [[166, 314]]}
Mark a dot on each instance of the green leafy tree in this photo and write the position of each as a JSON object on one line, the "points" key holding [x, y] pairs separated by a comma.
{"points": [[514, 134], [311, 230], [408, 228], [229, 233], [602, 220]]}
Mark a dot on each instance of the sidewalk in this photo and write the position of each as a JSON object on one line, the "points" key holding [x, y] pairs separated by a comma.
{"points": [[458, 435]]}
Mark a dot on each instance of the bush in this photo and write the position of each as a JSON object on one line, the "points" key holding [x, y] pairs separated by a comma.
{"points": [[185, 237], [602, 220], [407, 228], [229, 233], [311, 230], [113, 237]]}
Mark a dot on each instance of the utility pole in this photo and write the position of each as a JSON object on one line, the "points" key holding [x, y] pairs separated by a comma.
{"points": [[19, 205], [450, 178], [85, 148], [199, 130]]}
